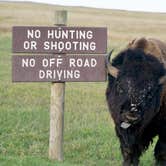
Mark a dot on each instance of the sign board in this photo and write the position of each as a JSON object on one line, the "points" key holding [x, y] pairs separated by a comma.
{"points": [[58, 68], [75, 40]]}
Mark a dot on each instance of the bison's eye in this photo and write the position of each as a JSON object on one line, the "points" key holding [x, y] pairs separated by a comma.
{"points": [[119, 89]]}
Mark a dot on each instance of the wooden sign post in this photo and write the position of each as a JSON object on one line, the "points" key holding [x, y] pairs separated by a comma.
{"points": [[57, 106], [56, 66]]}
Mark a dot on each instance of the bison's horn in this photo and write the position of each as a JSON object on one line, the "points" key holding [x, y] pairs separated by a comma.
{"points": [[162, 80], [111, 69]]}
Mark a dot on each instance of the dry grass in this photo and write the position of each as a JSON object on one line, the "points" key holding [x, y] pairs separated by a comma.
{"points": [[122, 25]]}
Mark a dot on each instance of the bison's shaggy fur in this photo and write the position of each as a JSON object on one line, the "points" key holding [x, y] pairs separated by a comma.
{"points": [[136, 99]]}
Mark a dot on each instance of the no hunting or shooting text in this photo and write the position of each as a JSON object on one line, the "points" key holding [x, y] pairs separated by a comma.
{"points": [[59, 40]]}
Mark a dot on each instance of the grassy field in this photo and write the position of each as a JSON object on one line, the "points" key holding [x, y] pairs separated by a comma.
{"points": [[89, 137]]}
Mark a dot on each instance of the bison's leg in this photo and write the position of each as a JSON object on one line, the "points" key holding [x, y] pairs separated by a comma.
{"points": [[160, 152], [127, 160], [136, 161], [130, 156], [130, 152], [126, 152]]}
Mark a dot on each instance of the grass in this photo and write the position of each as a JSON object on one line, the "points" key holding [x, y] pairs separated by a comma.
{"points": [[89, 137]]}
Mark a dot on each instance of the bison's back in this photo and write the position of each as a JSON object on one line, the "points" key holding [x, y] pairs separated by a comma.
{"points": [[151, 46]]}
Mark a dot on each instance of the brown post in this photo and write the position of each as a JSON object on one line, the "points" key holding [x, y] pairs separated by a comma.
{"points": [[57, 106]]}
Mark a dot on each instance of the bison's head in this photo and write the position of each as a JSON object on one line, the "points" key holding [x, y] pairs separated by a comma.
{"points": [[134, 88]]}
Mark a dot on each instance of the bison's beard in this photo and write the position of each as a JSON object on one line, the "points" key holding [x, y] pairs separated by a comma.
{"points": [[128, 113]]}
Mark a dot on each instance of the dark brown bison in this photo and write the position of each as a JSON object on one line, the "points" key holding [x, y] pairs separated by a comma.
{"points": [[136, 96]]}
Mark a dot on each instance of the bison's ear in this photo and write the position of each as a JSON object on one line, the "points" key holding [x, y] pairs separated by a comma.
{"points": [[111, 69], [162, 80]]}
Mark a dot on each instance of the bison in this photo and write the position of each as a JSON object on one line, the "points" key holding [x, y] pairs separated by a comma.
{"points": [[136, 97]]}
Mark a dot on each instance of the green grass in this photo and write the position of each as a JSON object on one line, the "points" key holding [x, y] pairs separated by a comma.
{"points": [[24, 112]]}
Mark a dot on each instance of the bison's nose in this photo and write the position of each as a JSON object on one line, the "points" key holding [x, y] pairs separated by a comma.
{"points": [[130, 112], [133, 108], [128, 106]]}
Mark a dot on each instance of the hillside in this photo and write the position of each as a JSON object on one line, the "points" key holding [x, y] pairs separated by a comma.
{"points": [[122, 25]]}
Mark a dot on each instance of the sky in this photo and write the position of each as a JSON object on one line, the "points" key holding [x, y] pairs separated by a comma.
{"points": [[135, 5]]}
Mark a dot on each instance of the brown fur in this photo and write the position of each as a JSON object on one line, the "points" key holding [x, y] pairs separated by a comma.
{"points": [[150, 46]]}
